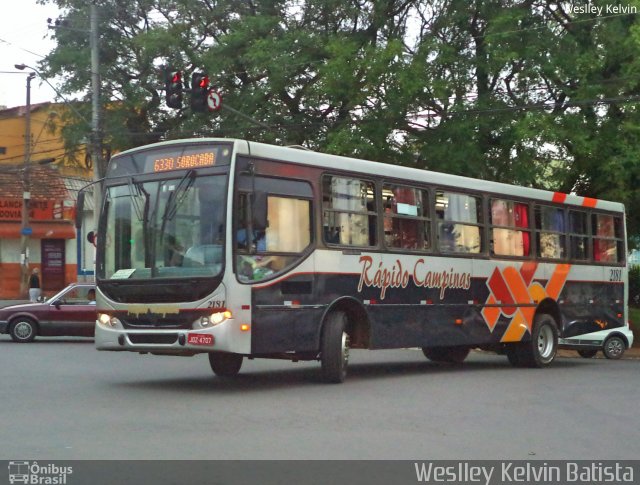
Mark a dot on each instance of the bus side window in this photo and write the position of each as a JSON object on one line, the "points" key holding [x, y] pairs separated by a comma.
{"points": [[550, 232], [406, 217], [607, 241], [349, 211], [459, 222], [510, 234]]}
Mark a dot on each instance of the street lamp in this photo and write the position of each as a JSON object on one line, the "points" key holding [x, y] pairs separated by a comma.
{"points": [[26, 188]]}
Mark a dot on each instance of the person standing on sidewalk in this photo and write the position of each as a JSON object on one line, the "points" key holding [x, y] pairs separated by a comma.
{"points": [[34, 286]]}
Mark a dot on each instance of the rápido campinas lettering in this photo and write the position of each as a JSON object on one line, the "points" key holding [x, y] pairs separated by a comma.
{"points": [[397, 276]]}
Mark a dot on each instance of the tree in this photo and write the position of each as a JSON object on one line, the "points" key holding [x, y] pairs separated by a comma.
{"points": [[519, 91]]}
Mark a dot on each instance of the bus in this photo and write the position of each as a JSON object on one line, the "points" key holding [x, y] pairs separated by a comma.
{"points": [[240, 249]]}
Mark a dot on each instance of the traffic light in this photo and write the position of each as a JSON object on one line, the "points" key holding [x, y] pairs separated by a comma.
{"points": [[199, 91], [173, 85]]}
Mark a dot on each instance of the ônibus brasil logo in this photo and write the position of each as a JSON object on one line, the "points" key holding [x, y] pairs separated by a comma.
{"points": [[34, 473]]}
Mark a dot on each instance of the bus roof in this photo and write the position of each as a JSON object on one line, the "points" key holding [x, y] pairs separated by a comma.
{"points": [[367, 167]]}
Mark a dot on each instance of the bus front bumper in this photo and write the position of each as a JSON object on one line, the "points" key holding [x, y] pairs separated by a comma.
{"points": [[226, 337]]}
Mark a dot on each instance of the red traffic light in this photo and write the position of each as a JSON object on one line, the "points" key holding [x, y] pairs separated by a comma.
{"points": [[204, 82], [173, 88]]}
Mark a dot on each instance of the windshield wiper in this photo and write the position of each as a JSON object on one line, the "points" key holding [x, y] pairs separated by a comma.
{"points": [[177, 196], [135, 193]]}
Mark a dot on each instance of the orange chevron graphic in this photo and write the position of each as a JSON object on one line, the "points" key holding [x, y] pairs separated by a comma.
{"points": [[511, 289]]}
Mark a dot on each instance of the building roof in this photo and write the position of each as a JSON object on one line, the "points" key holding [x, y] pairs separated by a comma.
{"points": [[45, 183], [21, 110]]}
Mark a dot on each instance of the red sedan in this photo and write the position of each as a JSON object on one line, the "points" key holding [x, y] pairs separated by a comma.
{"points": [[71, 312]]}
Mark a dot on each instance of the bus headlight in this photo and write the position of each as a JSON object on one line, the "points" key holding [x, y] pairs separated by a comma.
{"points": [[108, 321], [214, 319]]}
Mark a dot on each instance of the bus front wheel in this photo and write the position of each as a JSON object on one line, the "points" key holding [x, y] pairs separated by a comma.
{"points": [[224, 364], [334, 349]]}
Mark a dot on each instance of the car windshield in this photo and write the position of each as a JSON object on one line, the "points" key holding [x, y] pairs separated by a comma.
{"points": [[164, 228]]}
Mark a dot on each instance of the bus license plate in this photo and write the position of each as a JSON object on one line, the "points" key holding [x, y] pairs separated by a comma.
{"points": [[197, 339]]}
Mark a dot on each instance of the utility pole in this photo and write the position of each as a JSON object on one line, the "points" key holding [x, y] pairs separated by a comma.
{"points": [[26, 192], [96, 134]]}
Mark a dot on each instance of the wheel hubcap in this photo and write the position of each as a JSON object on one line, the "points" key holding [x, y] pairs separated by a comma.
{"points": [[614, 347], [345, 349], [545, 342], [23, 330]]}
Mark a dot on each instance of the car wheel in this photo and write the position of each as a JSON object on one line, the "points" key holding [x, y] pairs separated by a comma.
{"points": [[23, 330], [614, 347], [224, 364], [587, 353], [334, 351], [451, 355]]}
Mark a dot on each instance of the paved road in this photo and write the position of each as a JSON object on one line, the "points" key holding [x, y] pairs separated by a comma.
{"points": [[61, 399]]}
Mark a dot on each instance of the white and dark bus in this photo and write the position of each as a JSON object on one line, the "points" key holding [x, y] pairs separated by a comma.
{"points": [[241, 249]]}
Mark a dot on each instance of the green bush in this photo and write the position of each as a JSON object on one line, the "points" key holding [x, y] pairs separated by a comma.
{"points": [[634, 286]]}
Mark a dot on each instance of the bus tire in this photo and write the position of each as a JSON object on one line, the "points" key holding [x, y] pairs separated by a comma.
{"points": [[23, 330], [587, 353], [614, 347], [451, 355], [543, 346], [334, 348], [225, 364]]}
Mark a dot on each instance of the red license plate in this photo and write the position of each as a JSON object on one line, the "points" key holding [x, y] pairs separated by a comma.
{"points": [[198, 339]]}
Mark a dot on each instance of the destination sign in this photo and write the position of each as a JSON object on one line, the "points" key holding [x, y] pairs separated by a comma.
{"points": [[182, 162]]}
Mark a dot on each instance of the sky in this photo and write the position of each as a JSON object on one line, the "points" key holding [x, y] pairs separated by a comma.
{"points": [[24, 39]]}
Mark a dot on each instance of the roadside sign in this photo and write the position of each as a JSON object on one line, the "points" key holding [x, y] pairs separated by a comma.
{"points": [[214, 100], [26, 231]]}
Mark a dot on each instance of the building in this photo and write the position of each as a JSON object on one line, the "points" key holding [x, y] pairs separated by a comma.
{"points": [[50, 182]]}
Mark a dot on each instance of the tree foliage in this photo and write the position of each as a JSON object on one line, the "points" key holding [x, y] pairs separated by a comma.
{"points": [[520, 91]]}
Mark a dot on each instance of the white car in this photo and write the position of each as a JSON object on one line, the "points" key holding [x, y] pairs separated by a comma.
{"points": [[613, 342]]}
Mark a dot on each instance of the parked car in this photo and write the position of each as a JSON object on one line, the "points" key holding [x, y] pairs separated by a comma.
{"points": [[613, 343], [70, 312]]}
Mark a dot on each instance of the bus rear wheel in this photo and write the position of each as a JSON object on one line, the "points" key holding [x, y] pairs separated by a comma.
{"points": [[225, 364], [543, 346], [334, 350], [451, 355]]}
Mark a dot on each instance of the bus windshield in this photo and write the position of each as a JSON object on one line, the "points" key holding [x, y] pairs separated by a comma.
{"points": [[168, 228]]}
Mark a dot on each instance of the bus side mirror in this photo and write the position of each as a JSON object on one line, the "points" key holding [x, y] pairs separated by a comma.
{"points": [[79, 209], [259, 211]]}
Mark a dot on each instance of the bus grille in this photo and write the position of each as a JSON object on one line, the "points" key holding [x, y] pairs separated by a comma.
{"points": [[151, 338], [182, 320]]}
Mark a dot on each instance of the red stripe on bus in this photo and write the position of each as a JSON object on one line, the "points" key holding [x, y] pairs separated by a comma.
{"points": [[589, 202], [501, 291], [559, 197]]}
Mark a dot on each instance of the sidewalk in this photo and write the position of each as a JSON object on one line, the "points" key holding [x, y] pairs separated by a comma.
{"points": [[4, 303]]}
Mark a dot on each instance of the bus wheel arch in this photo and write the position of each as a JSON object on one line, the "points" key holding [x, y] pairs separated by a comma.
{"points": [[357, 325]]}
